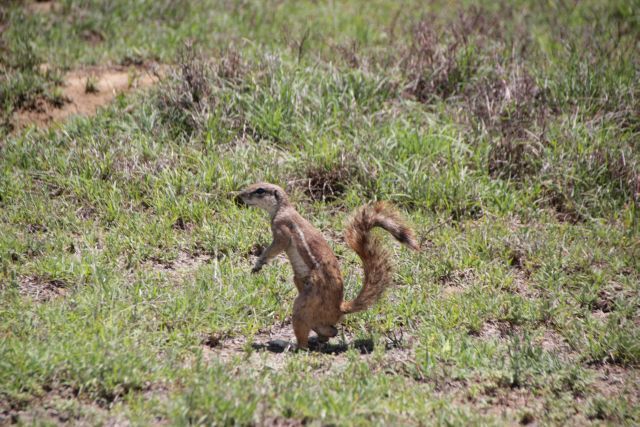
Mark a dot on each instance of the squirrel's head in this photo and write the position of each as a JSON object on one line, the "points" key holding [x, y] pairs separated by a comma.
{"points": [[263, 195]]}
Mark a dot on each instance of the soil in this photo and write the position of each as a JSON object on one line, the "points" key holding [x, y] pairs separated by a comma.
{"points": [[41, 289], [59, 407], [41, 6], [108, 82]]}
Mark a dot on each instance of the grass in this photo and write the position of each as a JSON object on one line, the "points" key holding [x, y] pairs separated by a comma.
{"points": [[508, 135]]}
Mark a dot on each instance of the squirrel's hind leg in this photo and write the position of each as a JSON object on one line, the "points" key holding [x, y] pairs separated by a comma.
{"points": [[300, 322], [325, 332]]}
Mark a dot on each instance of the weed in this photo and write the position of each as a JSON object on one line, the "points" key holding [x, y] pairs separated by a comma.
{"points": [[434, 70], [91, 85], [230, 66], [514, 159], [508, 101], [190, 100], [186, 98], [329, 183]]}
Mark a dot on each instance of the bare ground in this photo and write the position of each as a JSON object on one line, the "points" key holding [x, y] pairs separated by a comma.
{"points": [[41, 289], [60, 407], [41, 6], [84, 92], [185, 265]]}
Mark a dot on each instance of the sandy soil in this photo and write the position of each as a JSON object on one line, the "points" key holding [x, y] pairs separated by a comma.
{"points": [[108, 83]]}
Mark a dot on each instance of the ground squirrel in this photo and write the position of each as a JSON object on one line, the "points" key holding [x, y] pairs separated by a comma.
{"points": [[320, 305]]}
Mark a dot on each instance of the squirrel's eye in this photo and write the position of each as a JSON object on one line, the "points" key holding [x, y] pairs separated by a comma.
{"points": [[259, 191]]}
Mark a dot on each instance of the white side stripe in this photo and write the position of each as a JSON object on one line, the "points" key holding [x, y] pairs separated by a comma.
{"points": [[305, 245]]}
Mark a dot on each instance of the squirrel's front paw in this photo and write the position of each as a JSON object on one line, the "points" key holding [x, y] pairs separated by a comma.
{"points": [[256, 268]]}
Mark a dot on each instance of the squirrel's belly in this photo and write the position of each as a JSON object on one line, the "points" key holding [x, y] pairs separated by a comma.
{"points": [[298, 264]]}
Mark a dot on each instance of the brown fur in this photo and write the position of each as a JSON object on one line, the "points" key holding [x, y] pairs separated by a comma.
{"points": [[319, 305], [375, 258]]}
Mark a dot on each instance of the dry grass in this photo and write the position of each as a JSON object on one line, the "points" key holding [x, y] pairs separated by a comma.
{"points": [[328, 183], [186, 95], [188, 98]]}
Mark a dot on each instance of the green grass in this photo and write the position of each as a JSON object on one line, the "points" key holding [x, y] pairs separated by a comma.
{"points": [[508, 135]]}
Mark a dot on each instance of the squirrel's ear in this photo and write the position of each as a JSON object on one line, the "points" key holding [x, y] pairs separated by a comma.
{"points": [[276, 193]]}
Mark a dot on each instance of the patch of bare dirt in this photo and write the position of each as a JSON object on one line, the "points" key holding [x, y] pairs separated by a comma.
{"points": [[41, 289], [613, 381], [606, 300], [60, 407], [525, 406], [507, 402], [522, 286], [548, 339], [484, 397], [84, 92], [328, 183], [552, 342], [93, 37], [269, 348], [601, 315], [562, 206], [457, 281], [497, 329], [272, 345], [325, 185], [183, 266], [281, 422], [449, 291], [41, 6]]}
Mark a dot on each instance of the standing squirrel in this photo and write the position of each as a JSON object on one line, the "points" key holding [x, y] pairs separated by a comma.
{"points": [[316, 272]]}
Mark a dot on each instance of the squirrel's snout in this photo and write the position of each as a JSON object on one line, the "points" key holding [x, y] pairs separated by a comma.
{"points": [[239, 200]]}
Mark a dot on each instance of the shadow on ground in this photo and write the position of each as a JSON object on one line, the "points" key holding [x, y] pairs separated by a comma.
{"points": [[364, 346]]}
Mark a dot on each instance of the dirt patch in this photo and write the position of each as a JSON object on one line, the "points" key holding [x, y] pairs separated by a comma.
{"points": [[552, 342], [272, 344], [607, 296], [456, 281], [522, 286], [526, 406], [507, 402], [41, 289], [60, 407], [93, 37], [497, 329], [562, 205], [327, 183], [182, 266], [85, 91], [450, 291], [282, 422], [512, 405], [600, 315], [41, 6], [187, 262], [548, 339], [270, 348], [614, 381]]}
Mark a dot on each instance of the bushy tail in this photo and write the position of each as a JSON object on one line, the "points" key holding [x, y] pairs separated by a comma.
{"points": [[375, 258]]}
